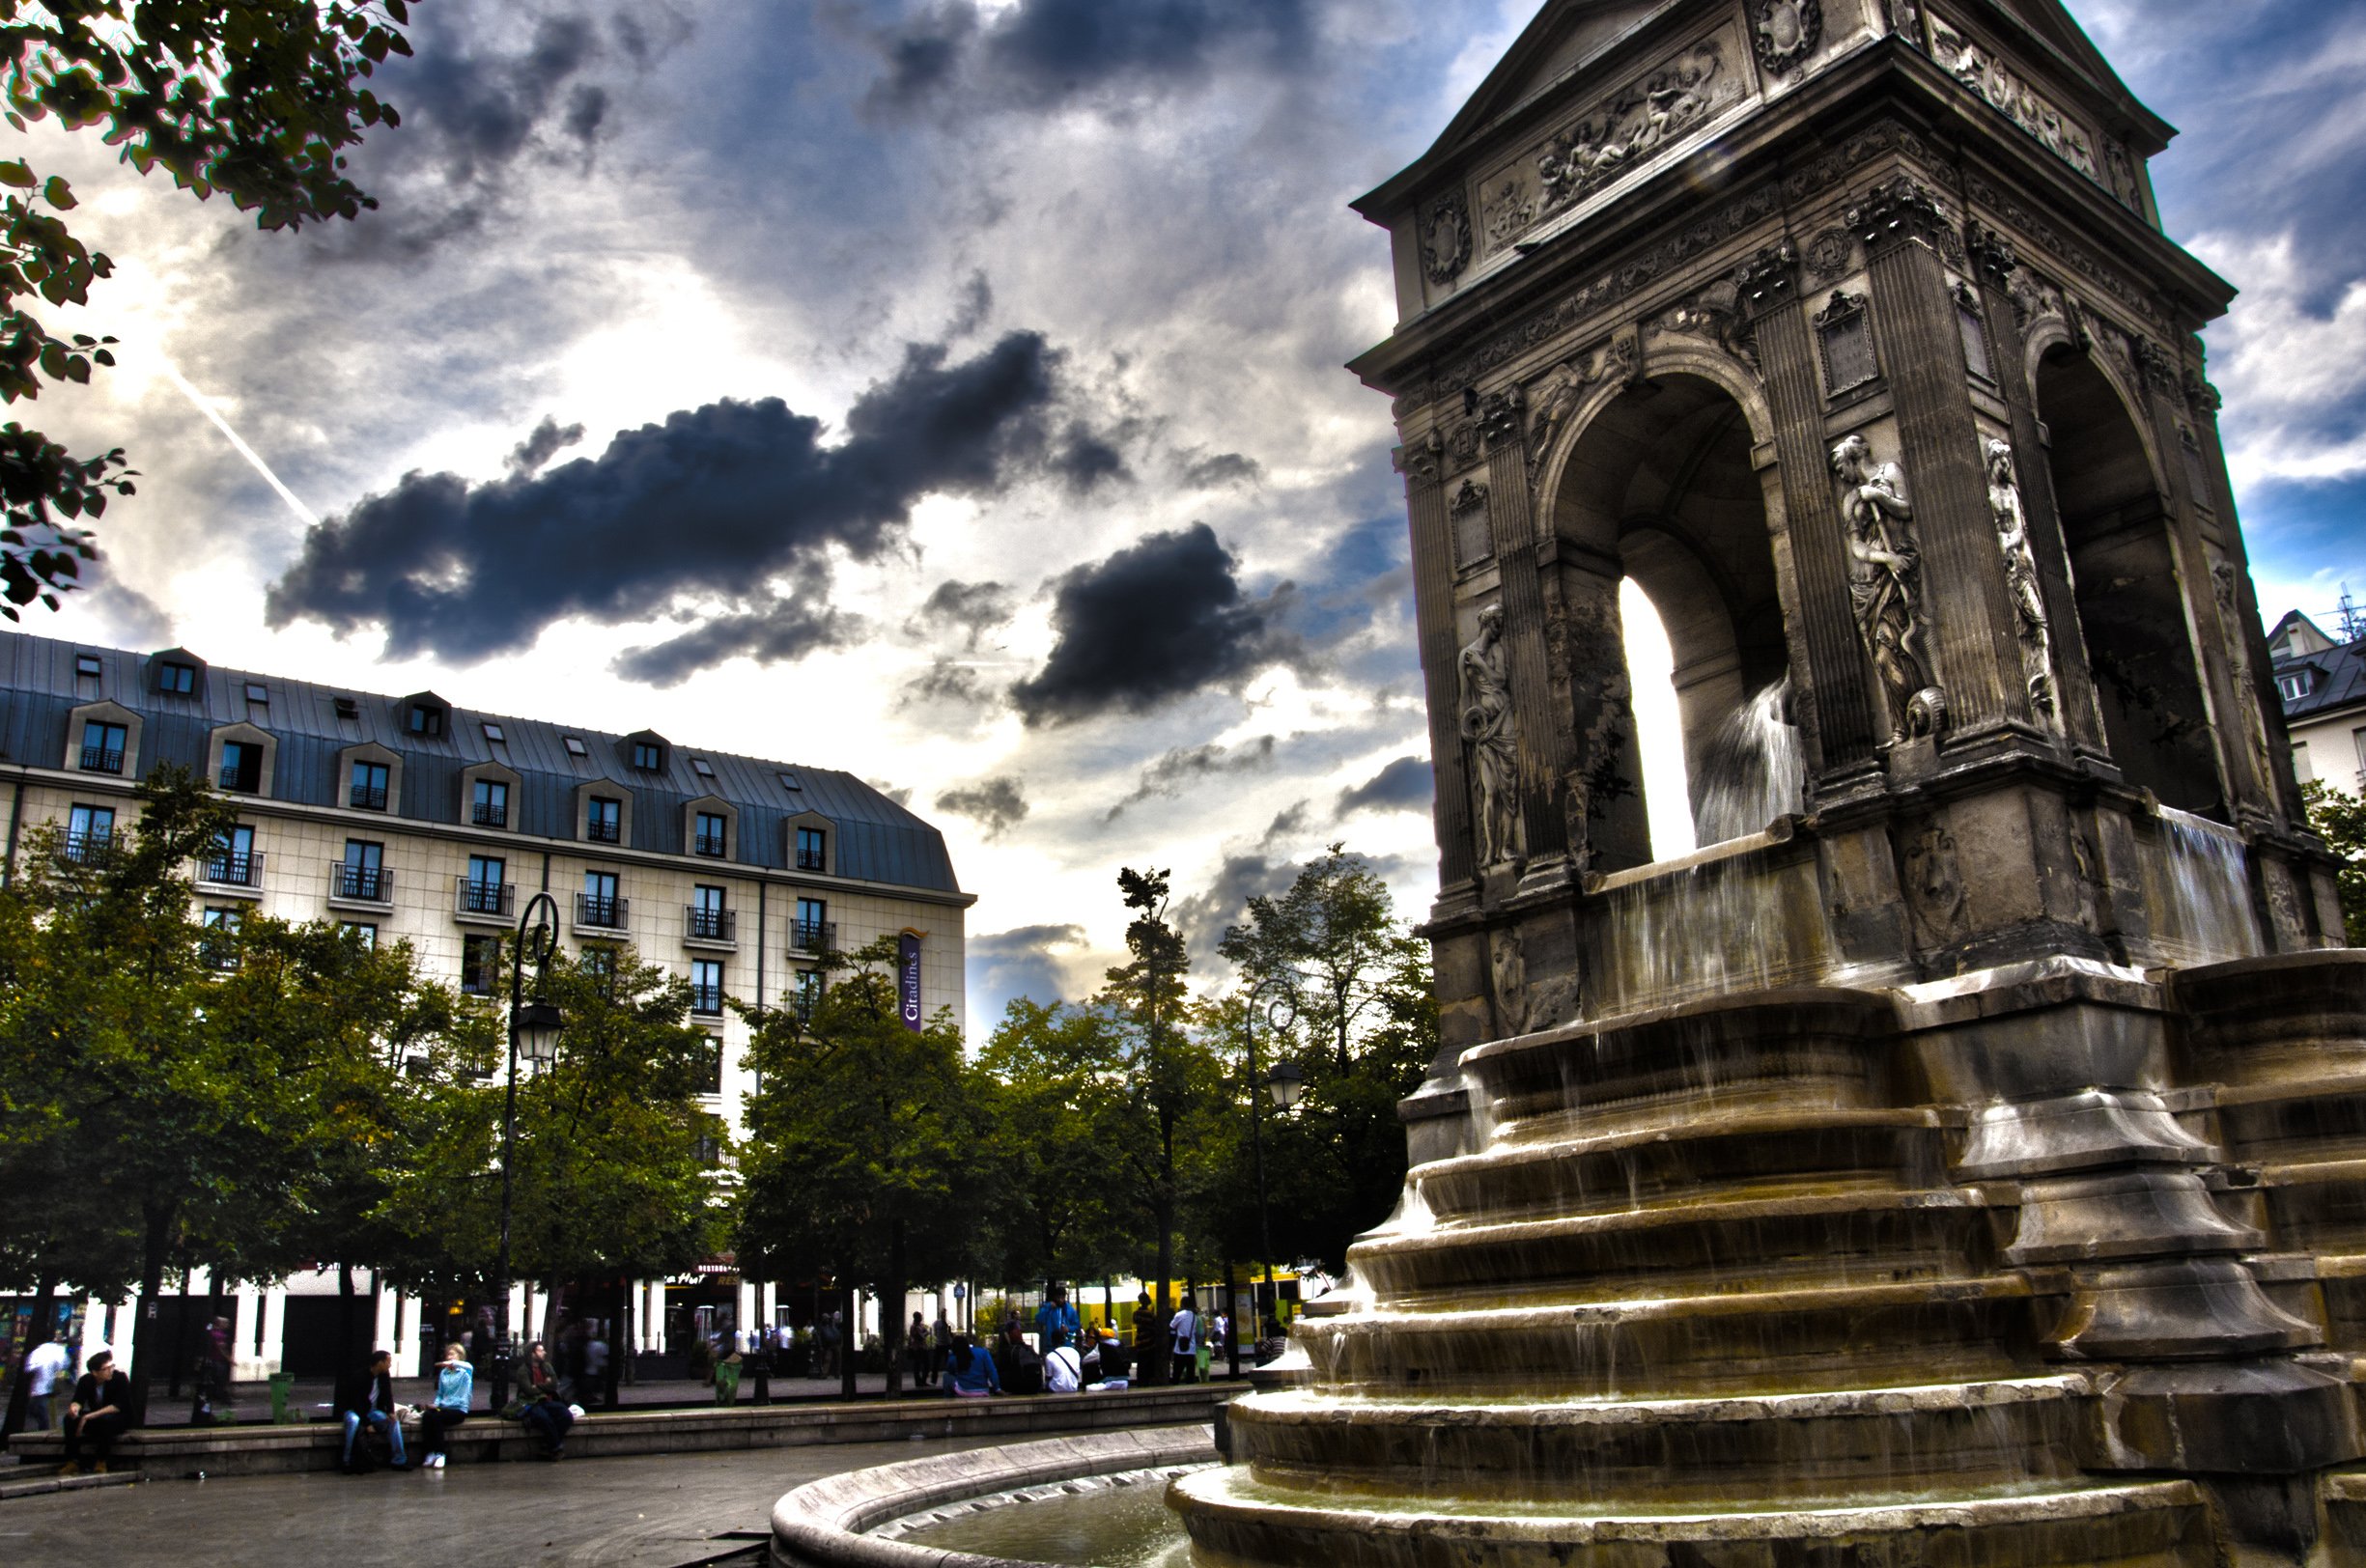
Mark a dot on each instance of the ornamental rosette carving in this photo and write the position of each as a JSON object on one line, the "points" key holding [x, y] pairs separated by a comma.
{"points": [[1785, 32], [1445, 237]]}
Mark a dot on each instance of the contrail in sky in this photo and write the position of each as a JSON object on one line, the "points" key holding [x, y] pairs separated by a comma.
{"points": [[203, 406]]}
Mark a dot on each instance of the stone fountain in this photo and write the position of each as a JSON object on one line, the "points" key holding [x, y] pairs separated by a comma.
{"points": [[1961, 1160]]}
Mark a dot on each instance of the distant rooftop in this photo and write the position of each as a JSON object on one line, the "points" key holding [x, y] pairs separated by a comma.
{"points": [[2314, 674]]}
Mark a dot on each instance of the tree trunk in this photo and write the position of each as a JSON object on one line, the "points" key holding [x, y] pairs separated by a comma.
{"points": [[1232, 1323], [891, 1309], [616, 1339], [156, 1229], [850, 1340], [180, 1339], [44, 1313]]}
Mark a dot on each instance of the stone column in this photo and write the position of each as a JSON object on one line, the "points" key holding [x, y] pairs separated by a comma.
{"points": [[1976, 654], [1835, 700], [1544, 762], [1994, 262], [1433, 609], [274, 1352]]}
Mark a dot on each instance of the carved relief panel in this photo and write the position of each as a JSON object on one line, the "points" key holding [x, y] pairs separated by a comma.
{"points": [[1980, 68], [1885, 587]]}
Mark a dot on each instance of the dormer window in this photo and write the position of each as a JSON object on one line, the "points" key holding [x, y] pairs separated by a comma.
{"points": [[347, 708], [710, 834], [703, 768], [812, 849], [177, 680], [792, 783], [258, 695], [493, 733], [103, 746], [241, 767], [87, 665], [2297, 684], [426, 719], [369, 787], [648, 756]]}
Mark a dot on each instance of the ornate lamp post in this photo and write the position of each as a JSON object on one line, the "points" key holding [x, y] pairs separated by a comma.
{"points": [[1283, 1082], [533, 1030]]}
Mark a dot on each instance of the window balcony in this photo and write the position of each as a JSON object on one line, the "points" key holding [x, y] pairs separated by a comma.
{"points": [[707, 999], [600, 912], [704, 927], [367, 798], [810, 861], [708, 843], [813, 935], [240, 870], [218, 949], [229, 777], [103, 759], [372, 885], [603, 832], [486, 903], [487, 814], [88, 849]]}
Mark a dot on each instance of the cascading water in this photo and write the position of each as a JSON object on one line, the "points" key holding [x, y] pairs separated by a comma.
{"points": [[2201, 891], [1752, 771]]}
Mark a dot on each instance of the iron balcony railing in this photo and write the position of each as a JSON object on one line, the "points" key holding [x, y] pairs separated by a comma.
{"points": [[491, 814], [218, 948], [706, 998], [476, 897], [229, 779], [811, 860], [709, 844], [813, 935], [88, 849], [605, 911], [369, 885], [603, 830], [367, 798], [712, 925], [103, 759], [233, 868]]}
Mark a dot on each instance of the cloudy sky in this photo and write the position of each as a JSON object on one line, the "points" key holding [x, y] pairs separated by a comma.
{"points": [[948, 391]]}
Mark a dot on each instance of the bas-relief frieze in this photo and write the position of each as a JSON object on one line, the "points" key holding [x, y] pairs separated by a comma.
{"points": [[2074, 258], [1984, 73], [1617, 134], [2225, 594]]}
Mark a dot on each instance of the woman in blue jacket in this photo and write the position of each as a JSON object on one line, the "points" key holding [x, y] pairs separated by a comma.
{"points": [[973, 1370], [455, 1388]]}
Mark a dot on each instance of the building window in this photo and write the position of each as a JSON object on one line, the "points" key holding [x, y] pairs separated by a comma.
{"points": [[347, 708], [2302, 771], [234, 862], [598, 960], [361, 930], [480, 965], [813, 849], [491, 807], [710, 835], [493, 733], [103, 746], [177, 680], [260, 696], [648, 756], [426, 718], [87, 665], [2295, 684], [218, 947], [369, 788], [484, 891], [90, 831], [241, 766], [598, 904], [709, 920], [575, 747], [810, 931], [792, 783], [604, 820], [2358, 737], [703, 768], [363, 876], [706, 986], [806, 995]]}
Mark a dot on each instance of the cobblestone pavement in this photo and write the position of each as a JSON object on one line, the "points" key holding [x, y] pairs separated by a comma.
{"points": [[658, 1512]]}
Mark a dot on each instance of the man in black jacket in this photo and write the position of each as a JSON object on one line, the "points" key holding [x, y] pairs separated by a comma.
{"points": [[367, 1399], [100, 1413]]}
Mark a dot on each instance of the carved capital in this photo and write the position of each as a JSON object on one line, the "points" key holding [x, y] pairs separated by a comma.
{"points": [[1500, 420], [1768, 279], [2200, 396], [1895, 212], [1992, 254], [1420, 460], [2160, 366]]}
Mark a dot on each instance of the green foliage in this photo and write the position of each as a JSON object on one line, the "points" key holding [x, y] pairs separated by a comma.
{"points": [[255, 98], [1054, 1086], [2340, 819], [1334, 935]]}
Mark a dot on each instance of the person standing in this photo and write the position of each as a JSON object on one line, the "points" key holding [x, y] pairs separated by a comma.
{"points": [[213, 1375], [940, 1346], [1149, 1340], [100, 1413], [916, 1350], [1183, 1342], [43, 1366], [366, 1399], [454, 1391], [1055, 1321]]}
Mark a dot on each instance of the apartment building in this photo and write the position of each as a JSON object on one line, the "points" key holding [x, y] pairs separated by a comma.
{"points": [[411, 819], [2323, 684]]}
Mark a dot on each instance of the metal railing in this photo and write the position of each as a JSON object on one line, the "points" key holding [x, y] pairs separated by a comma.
{"points": [[811, 860], [233, 868], [473, 897], [491, 814], [813, 935], [367, 798], [369, 885], [229, 779], [707, 999], [103, 759], [708, 843], [606, 913], [87, 848], [712, 925], [603, 830]]}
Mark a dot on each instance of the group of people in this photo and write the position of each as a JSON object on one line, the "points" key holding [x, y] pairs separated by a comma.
{"points": [[365, 1403]]}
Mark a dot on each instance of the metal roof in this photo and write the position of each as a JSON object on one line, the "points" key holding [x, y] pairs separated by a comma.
{"points": [[877, 839], [2340, 680]]}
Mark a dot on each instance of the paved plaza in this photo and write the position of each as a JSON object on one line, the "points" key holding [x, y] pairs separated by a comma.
{"points": [[663, 1512]]}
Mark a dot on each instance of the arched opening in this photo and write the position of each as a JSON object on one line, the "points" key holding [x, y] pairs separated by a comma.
{"points": [[2131, 612], [1660, 490]]}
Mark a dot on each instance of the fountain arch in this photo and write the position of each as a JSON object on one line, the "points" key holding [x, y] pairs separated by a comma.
{"points": [[2117, 527]]}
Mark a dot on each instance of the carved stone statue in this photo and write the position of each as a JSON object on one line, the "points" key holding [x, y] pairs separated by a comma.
{"points": [[1886, 584], [2029, 619], [1487, 725]]}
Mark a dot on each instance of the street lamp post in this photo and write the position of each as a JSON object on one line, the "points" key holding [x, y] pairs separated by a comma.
{"points": [[533, 1028], [1283, 1082]]}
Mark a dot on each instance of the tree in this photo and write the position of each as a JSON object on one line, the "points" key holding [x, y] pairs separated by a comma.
{"points": [[2340, 819], [864, 1146], [1334, 935], [1053, 1081], [255, 98]]}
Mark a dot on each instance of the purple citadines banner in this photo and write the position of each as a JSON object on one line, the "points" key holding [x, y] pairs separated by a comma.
{"points": [[907, 979]]}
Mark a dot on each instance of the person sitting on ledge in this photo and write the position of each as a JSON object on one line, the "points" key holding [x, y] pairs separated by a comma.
{"points": [[972, 1368], [1022, 1367], [1115, 1362], [100, 1413], [455, 1388], [366, 1399], [1063, 1371], [545, 1412]]}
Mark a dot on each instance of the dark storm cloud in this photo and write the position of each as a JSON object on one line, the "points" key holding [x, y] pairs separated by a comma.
{"points": [[1004, 964], [973, 607], [1170, 774], [896, 793], [546, 440], [773, 628], [1042, 53], [712, 501], [1404, 785], [1222, 469], [1158, 620], [132, 619], [999, 803]]}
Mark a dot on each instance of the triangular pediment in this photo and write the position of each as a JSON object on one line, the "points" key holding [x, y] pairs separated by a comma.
{"points": [[2047, 28]]}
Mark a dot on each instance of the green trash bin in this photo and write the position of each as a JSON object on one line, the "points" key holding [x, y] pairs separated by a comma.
{"points": [[282, 1384]]}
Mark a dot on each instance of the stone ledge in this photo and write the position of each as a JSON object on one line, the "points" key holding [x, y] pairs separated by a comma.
{"points": [[42, 1485], [269, 1450]]}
